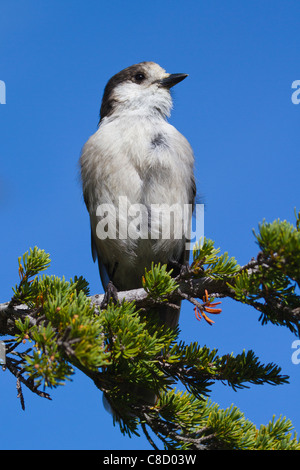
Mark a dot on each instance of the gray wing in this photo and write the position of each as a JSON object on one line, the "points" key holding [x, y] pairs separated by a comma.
{"points": [[184, 256], [102, 269], [95, 254]]}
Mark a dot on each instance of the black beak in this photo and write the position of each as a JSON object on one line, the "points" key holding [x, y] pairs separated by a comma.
{"points": [[173, 79]]}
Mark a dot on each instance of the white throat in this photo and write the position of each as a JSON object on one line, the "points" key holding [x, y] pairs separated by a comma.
{"points": [[147, 102]]}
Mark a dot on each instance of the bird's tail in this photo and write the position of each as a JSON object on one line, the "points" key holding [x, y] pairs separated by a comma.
{"points": [[167, 315]]}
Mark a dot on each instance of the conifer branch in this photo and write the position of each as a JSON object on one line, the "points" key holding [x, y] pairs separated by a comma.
{"points": [[125, 352]]}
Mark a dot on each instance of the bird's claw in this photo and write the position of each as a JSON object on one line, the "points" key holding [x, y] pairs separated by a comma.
{"points": [[110, 293]]}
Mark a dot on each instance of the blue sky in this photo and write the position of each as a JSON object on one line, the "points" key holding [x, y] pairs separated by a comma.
{"points": [[235, 108]]}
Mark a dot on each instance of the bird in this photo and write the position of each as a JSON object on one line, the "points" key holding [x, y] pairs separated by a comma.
{"points": [[138, 160]]}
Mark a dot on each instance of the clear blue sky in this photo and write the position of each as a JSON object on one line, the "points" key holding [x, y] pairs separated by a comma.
{"points": [[235, 108]]}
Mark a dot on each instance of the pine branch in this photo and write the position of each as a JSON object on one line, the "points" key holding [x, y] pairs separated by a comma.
{"points": [[125, 353]]}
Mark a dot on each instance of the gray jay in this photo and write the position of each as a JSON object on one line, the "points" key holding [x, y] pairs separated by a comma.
{"points": [[134, 169]]}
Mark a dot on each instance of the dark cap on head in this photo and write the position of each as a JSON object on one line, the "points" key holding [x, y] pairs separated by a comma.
{"points": [[137, 73]]}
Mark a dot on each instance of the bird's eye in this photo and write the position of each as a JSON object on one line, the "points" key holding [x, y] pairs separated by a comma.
{"points": [[139, 77]]}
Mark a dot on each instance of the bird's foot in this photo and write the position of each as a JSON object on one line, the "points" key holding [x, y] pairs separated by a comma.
{"points": [[111, 292], [180, 270]]}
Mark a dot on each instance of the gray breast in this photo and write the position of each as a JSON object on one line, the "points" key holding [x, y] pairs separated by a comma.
{"points": [[159, 141]]}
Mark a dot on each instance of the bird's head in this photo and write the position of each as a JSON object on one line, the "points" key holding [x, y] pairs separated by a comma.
{"points": [[143, 88]]}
